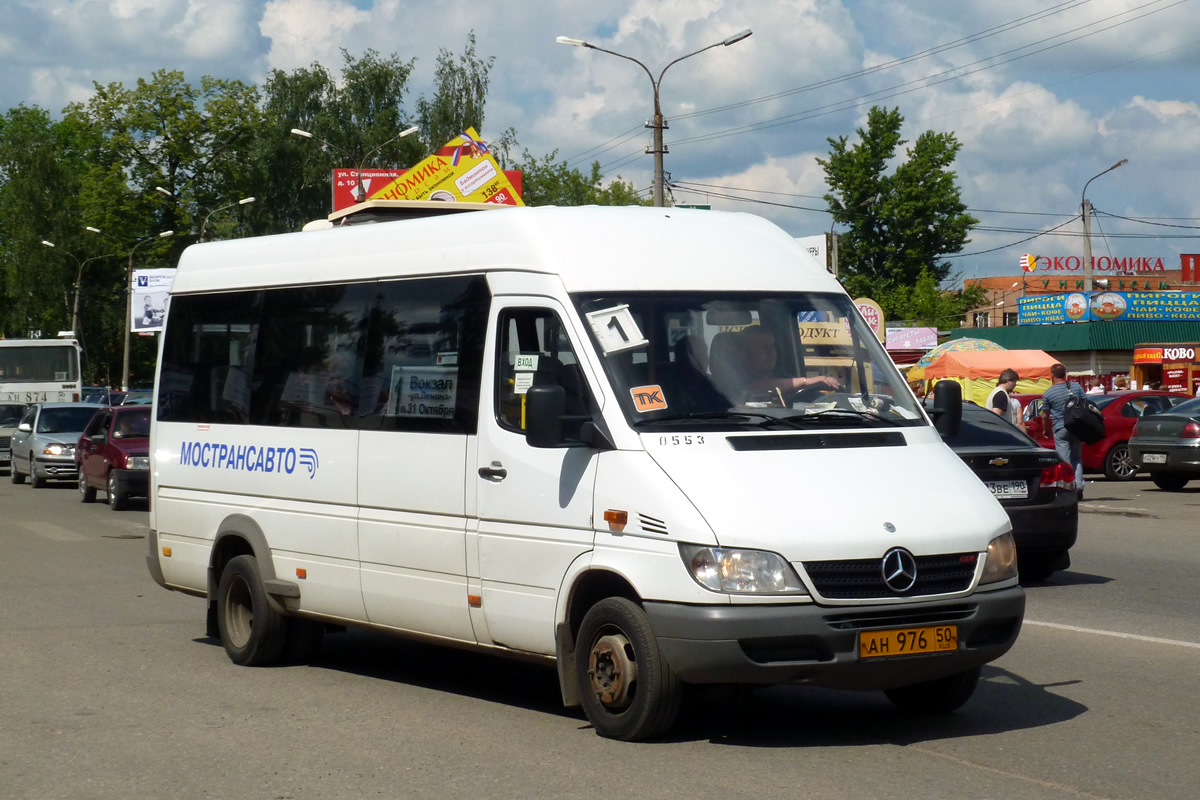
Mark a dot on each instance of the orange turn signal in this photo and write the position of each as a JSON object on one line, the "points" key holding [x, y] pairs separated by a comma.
{"points": [[474, 600], [301, 573], [614, 517], [166, 552]]}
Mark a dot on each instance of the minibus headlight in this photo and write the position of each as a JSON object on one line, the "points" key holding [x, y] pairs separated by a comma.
{"points": [[723, 569], [1001, 561]]}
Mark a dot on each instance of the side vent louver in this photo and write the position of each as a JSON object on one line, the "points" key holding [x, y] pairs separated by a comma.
{"points": [[652, 525]]}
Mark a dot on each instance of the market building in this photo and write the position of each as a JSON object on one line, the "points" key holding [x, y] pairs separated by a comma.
{"points": [[1141, 320]]}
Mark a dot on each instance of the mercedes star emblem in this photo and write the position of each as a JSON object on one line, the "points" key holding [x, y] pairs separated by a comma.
{"points": [[899, 570]]}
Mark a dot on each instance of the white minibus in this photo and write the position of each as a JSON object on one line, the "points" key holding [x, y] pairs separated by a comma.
{"points": [[655, 447]]}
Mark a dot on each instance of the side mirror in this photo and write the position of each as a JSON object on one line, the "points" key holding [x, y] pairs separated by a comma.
{"points": [[25, 426], [947, 408], [545, 407]]}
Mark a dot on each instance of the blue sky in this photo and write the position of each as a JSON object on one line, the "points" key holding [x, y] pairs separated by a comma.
{"points": [[1042, 94]]}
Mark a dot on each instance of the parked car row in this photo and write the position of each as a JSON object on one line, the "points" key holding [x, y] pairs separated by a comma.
{"points": [[1121, 410], [100, 448]]}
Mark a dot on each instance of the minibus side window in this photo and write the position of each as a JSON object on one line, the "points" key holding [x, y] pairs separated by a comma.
{"points": [[208, 358], [534, 350], [423, 355], [310, 357]]}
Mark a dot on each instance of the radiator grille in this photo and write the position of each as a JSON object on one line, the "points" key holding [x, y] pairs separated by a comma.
{"points": [[862, 578]]}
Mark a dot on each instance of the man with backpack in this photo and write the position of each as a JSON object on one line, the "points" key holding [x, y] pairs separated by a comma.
{"points": [[1054, 408]]}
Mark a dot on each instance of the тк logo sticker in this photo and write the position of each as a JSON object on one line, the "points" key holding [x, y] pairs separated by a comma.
{"points": [[309, 460], [648, 398]]}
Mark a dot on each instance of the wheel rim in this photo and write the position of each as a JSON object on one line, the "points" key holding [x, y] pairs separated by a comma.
{"points": [[82, 485], [612, 670], [112, 488], [239, 613], [1122, 464]]}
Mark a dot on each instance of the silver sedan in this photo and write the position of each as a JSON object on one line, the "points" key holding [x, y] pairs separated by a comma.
{"points": [[43, 446]]}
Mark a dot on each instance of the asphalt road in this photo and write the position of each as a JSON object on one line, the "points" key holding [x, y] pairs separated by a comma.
{"points": [[109, 689]]}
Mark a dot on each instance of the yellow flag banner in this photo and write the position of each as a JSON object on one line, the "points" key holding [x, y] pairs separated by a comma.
{"points": [[463, 171]]}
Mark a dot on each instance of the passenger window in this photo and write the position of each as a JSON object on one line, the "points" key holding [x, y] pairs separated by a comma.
{"points": [[208, 358], [310, 357], [424, 355], [535, 350]]}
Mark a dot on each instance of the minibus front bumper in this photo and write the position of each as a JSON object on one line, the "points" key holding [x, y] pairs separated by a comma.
{"points": [[818, 645]]}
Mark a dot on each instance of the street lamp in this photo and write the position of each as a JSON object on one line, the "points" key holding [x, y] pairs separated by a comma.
{"points": [[1087, 228], [360, 194], [79, 265], [833, 244], [242, 202], [658, 124], [129, 303]]}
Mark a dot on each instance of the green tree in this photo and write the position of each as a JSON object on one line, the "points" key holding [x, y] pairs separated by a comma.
{"points": [[901, 222], [926, 304], [360, 118], [552, 183], [461, 95]]}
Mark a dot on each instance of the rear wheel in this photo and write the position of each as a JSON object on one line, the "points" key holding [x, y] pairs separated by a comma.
{"points": [[117, 499], [252, 632], [1118, 464], [940, 696], [626, 687], [1169, 481], [86, 493]]}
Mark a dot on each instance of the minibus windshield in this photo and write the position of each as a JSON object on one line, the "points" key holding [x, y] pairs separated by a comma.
{"points": [[735, 360]]}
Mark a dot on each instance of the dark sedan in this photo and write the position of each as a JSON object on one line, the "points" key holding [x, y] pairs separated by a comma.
{"points": [[1031, 483], [1168, 446]]}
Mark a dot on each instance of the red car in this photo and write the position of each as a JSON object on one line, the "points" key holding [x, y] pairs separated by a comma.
{"points": [[1121, 410], [113, 455]]}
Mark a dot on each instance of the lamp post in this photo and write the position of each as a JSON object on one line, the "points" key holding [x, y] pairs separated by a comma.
{"points": [[129, 303], [833, 244], [79, 265], [360, 194], [242, 202], [1087, 227], [658, 124]]}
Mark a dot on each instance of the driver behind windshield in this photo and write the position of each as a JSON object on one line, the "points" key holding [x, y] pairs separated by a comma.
{"points": [[749, 370]]}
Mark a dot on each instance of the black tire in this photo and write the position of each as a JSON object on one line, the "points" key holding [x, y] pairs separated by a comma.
{"points": [[940, 696], [87, 494], [13, 474], [117, 499], [626, 687], [35, 480], [1169, 481], [303, 644], [252, 632], [1119, 464]]}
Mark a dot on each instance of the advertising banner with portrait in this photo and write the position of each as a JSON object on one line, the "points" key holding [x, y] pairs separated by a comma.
{"points": [[148, 302]]}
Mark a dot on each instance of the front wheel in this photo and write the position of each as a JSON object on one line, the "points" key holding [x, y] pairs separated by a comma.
{"points": [[117, 499], [1118, 464], [626, 687], [939, 696], [86, 493], [1169, 481], [252, 632], [35, 480]]}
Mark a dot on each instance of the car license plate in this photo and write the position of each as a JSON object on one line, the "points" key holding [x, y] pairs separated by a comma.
{"points": [[1154, 458], [907, 641], [1015, 489]]}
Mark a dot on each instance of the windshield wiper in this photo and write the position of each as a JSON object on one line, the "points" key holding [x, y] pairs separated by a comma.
{"points": [[731, 416], [828, 414]]}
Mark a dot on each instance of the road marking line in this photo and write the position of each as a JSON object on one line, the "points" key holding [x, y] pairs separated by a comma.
{"points": [[1117, 634], [55, 532]]}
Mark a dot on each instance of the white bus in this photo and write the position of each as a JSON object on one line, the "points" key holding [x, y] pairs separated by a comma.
{"points": [[531, 432], [39, 371]]}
